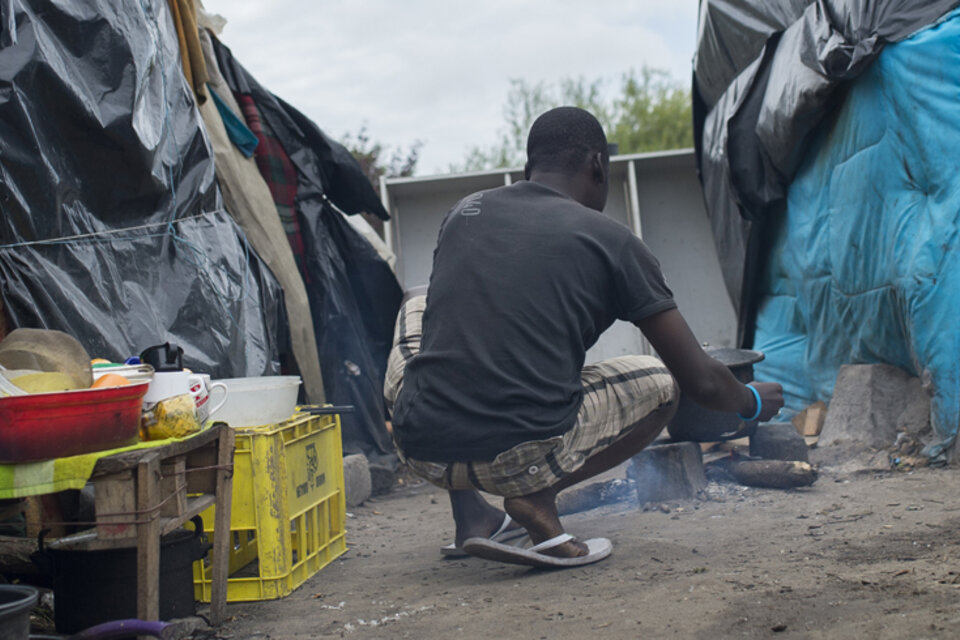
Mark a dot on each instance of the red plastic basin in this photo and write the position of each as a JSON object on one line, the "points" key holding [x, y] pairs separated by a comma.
{"points": [[40, 426]]}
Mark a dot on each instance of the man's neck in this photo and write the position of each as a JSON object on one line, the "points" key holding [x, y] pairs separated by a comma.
{"points": [[565, 183], [575, 185]]}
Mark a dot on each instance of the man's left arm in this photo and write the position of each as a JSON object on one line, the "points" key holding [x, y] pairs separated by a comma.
{"points": [[705, 380]]}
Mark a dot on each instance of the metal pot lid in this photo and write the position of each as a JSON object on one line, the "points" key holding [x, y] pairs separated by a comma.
{"points": [[734, 358]]}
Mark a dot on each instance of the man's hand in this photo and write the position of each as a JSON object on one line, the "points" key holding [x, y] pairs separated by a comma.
{"points": [[771, 399]]}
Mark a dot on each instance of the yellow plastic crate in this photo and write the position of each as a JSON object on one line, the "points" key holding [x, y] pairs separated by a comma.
{"points": [[288, 513]]}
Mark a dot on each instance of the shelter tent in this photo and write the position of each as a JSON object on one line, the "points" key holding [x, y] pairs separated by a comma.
{"points": [[354, 295], [123, 183], [113, 228], [826, 133]]}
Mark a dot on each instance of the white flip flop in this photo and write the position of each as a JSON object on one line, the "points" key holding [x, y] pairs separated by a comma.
{"points": [[597, 549]]}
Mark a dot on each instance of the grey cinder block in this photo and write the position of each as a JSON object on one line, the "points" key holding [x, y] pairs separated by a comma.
{"points": [[356, 479]]}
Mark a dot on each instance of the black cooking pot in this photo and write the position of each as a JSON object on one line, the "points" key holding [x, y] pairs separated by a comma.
{"points": [[91, 587], [694, 423]]}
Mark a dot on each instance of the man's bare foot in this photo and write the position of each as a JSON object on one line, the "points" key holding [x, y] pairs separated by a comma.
{"points": [[475, 517], [485, 528], [537, 513]]}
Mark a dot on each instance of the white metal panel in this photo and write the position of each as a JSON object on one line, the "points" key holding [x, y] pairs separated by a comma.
{"points": [[677, 231]]}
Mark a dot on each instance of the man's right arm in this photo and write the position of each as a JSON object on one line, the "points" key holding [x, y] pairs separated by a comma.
{"points": [[703, 379]]}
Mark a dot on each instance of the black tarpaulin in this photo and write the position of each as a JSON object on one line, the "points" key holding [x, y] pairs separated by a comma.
{"points": [[112, 228], [765, 73], [354, 296]]}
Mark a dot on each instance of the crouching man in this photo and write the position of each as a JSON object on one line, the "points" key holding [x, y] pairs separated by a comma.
{"points": [[486, 381]]}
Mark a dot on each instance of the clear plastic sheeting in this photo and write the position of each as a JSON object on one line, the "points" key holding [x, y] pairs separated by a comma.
{"points": [[765, 75], [864, 267], [111, 227]]}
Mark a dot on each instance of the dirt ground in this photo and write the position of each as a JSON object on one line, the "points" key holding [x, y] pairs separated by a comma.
{"points": [[860, 554]]}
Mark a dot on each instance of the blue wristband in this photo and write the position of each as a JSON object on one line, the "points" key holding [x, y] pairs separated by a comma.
{"points": [[756, 394]]}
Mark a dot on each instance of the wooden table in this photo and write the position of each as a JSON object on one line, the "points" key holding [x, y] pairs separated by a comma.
{"points": [[143, 494]]}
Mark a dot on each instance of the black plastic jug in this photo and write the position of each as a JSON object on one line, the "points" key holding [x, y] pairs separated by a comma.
{"points": [[163, 357]]}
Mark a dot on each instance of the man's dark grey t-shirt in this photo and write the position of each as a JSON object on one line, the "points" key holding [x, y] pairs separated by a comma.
{"points": [[525, 279]]}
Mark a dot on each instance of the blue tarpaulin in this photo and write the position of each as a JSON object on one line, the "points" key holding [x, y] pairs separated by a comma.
{"points": [[865, 263]]}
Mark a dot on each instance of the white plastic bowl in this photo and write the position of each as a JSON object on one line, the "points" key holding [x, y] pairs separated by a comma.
{"points": [[252, 402]]}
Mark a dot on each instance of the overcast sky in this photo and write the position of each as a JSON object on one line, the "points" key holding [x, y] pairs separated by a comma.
{"points": [[438, 70]]}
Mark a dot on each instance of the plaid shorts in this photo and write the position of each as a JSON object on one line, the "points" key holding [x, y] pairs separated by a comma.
{"points": [[617, 394]]}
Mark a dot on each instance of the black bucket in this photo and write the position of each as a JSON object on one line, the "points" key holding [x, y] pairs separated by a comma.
{"points": [[16, 602], [91, 587]]}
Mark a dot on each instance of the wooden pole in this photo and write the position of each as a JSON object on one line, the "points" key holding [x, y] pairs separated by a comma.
{"points": [[148, 538]]}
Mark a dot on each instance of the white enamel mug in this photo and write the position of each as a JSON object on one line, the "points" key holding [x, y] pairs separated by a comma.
{"points": [[203, 397]]}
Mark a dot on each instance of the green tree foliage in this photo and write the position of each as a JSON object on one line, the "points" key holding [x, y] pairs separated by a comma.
{"points": [[650, 112]]}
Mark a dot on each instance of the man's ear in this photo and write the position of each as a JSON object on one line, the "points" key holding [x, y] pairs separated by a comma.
{"points": [[597, 168]]}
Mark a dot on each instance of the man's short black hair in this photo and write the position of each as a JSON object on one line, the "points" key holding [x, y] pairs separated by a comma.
{"points": [[563, 138]]}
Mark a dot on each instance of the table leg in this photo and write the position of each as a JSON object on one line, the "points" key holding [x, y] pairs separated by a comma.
{"points": [[221, 528], [148, 539]]}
